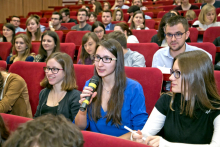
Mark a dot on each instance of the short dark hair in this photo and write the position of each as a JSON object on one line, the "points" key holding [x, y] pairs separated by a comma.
{"points": [[96, 24], [176, 20], [120, 37], [107, 11], [46, 131], [15, 16], [57, 13], [83, 10], [65, 10]]}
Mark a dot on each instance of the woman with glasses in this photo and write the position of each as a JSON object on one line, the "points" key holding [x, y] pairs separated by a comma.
{"points": [[190, 115], [8, 31], [60, 95], [99, 29], [21, 49], [33, 28], [50, 43], [118, 102], [89, 43]]}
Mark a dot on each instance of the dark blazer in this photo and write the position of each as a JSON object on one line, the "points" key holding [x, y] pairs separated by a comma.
{"points": [[155, 39]]}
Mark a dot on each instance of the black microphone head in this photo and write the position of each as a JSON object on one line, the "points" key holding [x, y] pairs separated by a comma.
{"points": [[94, 81]]}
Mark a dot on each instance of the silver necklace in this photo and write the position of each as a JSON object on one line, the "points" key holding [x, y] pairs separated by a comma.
{"points": [[106, 90]]}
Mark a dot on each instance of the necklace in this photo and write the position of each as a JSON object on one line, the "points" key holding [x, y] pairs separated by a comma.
{"points": [[57, 98], [108, 91]]}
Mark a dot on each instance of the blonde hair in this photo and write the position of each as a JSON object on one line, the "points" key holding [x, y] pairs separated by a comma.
{"points": [[207, 8], [27, 50], [36, 18], [191, 14]]}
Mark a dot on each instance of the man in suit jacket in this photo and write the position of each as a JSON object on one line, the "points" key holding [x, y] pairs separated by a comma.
{"points": [[107, 19]]}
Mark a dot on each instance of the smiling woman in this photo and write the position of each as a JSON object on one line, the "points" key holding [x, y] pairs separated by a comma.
{"points": [[8, 31], [33, 28], [138, 21]]}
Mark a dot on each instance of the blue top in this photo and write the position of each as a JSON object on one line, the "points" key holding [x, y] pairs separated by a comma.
{"points": [[29, 58], [109, 27], [18, 29], [133, 112], [163, 58]]}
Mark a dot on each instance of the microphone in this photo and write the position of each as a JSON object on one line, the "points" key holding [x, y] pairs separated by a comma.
{"points": [[93, 83]]}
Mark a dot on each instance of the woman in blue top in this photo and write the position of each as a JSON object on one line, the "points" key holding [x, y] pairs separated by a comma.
{"points": [[118, 102], [22, 49]]}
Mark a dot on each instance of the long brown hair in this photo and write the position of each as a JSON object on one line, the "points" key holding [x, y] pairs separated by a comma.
{"points": [[135, 13], [124, 27], [38, 32], [85, 39], [114, 15], [116, 100], [198, 85]]}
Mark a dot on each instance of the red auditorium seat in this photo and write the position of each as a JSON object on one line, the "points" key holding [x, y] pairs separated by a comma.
{"points": [[23, 26], [151, 14], [147, 3], [20, 33], [193, 34], [161, 14], [23, 20], [211, 34], [146, 49], [217, 79], [150, 23], [60, 34], [5, 50], [167, 8], [209, 47], [96, 139], [144, 36], [90, 23], [3, 65], [126, 17], [68, 48], [164, 2], [75, 37], [73, 13], [13, 121], [43, 20], [99, 18]]}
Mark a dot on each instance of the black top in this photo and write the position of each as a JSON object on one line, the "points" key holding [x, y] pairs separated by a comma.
{"points": [[216, 4], [180, 7], [183, 129], [217, 41], [155, 39], [71, 20], [68, 106], [47, 109]]}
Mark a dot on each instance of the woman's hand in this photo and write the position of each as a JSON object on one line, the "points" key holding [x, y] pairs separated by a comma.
{"points": [[138, 138], [87, 91], [153, 141]]}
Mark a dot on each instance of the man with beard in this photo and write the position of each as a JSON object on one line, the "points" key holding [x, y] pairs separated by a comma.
{"points": [[55, 23], [82, 16], [176, 31]]}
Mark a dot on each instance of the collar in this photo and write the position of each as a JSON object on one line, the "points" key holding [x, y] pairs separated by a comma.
{"points": [[167, 51], [128, 53], [108, 26]]}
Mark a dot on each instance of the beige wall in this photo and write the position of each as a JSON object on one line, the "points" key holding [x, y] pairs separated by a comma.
{"points": [[22, 7]]}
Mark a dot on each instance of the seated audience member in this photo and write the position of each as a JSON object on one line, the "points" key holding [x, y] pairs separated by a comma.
{"points": [[107, 19], [217, 41], [123, 27], [215, 3], [107, 6], [139, 4], [33, 28], [65, 12], [99, 29], [60, 95], [186, 6], [42, 28], [207, 18], [175, 12], [4, 131], [80, 2], [8, 31], [14, 95], [46, 131], [131, 58], [22, 48], [15, 20], [92, 17], [190, 15], [132, 10], [192, 107], [89, 43], [55, 23], [177, 2], [82, 16], [160, 38], [119, 100], [97, 8], [50, 43], [118, 15], [119, 4], [138, 21], [176, 32]]}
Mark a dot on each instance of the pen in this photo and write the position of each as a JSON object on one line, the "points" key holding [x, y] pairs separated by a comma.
{"points": [[133, 132]]}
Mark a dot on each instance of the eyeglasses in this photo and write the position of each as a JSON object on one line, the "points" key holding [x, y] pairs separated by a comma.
{"points": [[177, 35], [176, 73], [97, 32], [81, 15], [53, 70], [16, 20], [104, 59]]}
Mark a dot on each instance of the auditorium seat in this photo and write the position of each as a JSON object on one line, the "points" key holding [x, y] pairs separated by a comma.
{"points": [[23, 20], [150, 23], [146, 49], [217, 79], [193, 34], [151, 14], [167, 8], [68, 25], [73, 13], [93, 139], [60, 34], [5, 49], [126, 17], [3, 65], [33, 74], [207, 46], [164, 2], [13, 121], [43, 20], [146, 38], [75, 37], [211, 34], [161, 14], [23, 26]]}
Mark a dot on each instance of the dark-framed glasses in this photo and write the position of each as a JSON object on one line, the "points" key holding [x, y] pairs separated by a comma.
{"points": [[53, 70], [177, 35], [176, 73], [104, 59]]}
